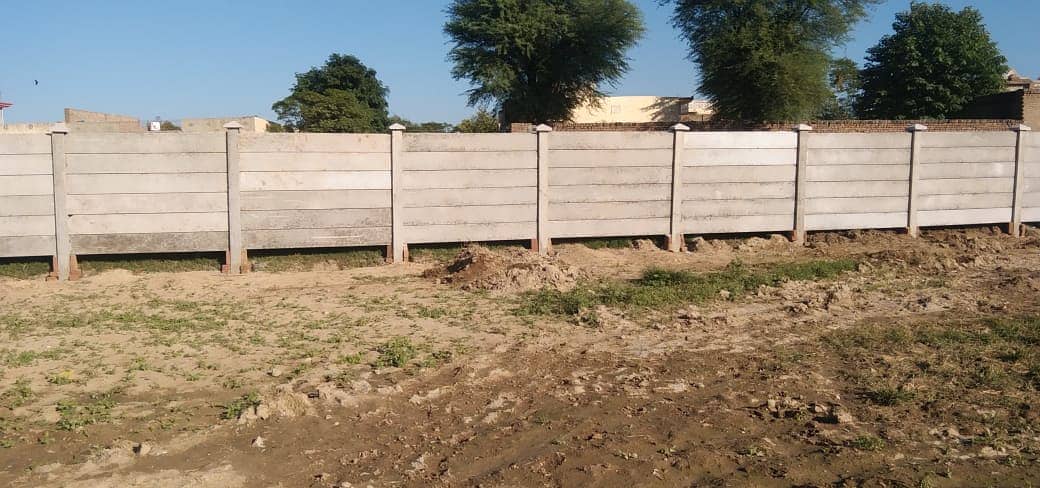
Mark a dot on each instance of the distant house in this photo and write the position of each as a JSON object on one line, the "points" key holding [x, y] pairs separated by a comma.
{"points": [[1017, 82], [642, 109], [250, 123]]}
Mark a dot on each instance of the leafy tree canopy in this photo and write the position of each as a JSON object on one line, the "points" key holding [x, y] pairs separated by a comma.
{"points": [[423, 126], [344, 95], [765, 60], [536, 60], [846, 86], [482, 121], [935, 62]]}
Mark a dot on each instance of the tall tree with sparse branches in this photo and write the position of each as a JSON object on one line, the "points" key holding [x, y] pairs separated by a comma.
{"points": [[765, 60], [537, 60], [932, 66]]}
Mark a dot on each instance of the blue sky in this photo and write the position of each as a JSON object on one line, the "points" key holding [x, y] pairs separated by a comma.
{"points": [[217, 57]]}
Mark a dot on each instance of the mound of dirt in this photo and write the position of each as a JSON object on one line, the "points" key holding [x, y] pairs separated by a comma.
{"points": [[479, 268]]}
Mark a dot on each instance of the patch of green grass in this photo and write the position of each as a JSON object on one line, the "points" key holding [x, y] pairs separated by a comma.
{"points": [[23, 269], [868, 443], [307, 260], [74, 416], [152, 263], [608, 243], [355, 358], [437, 253], [396, 352], [660, 288], [17, 395], [234, 409]]}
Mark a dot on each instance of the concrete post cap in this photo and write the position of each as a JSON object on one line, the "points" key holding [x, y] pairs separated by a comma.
{"points": [[398, 127], [803, 127], [679, 128], [542, 128], [917, 127], [59, 128], [1023, 128], [233, 125]]}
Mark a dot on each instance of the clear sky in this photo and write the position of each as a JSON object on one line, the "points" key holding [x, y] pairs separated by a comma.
{"points": [[194, 58]]}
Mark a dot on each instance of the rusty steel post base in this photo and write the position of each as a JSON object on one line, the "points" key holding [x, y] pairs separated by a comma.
{"points": [[536, 248], [675, 243], [75, 272], [390, 254], [246, 266]]}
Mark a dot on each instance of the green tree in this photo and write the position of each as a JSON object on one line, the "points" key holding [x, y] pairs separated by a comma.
{"points": [[536, 60], [935, 62], [344, 95], [846, 87], [422, 126], [166, 125], [482, 121], [765, 60]]}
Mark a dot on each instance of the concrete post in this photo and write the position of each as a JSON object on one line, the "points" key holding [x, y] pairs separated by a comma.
{"points": [[63, 245], [916, 136], [798, 235], [1015, 226], [543, 240], [676, 240], [237, 261], [398, 248]]}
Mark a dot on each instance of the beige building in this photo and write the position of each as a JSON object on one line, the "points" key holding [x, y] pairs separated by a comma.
{"points": [[81, 121], [249, 123], [635, 109]]}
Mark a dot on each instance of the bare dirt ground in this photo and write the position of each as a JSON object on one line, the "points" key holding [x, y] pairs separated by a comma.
{"points": [[862, 359]]}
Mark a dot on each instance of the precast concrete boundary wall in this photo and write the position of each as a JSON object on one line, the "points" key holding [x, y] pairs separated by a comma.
{"points": [[67, 194]]}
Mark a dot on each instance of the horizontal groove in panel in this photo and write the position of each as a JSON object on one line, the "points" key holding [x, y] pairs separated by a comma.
{"points": [[739, 224], [425, 234], [861, 220], [609, 210], [609, 193], [608, 228], [738, 174], [324, 180], [741, 140], [147, 224], [296, 238], [312, 142], [469, 215], [150, 203], [26, 246], [609, 176], [610, 140], [470, 179], [26, 205], [144, 143], [849, 173], [176, 163], [847, 205], [26, 185], [738, 157], [963, 217], [26, 164], [146, 183], [315, 199], [825, 189], [583, 158], [149, 242], [469, 142], [491, 160], [734, 191], [469, 196], [314, 219], [300, 162]]}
